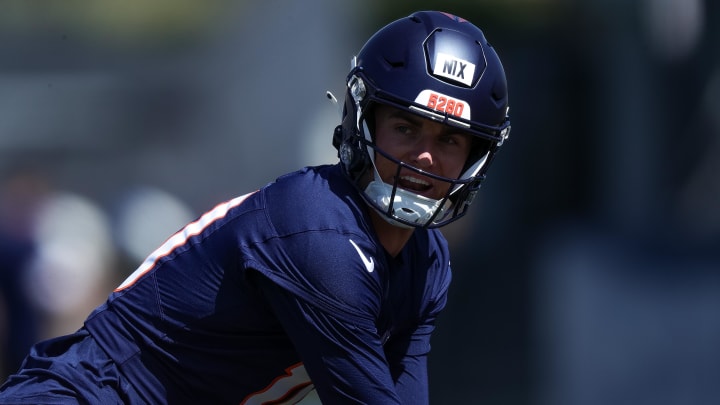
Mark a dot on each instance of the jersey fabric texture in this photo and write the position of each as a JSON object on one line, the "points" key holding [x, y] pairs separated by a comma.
{"points": [[268, 290]]}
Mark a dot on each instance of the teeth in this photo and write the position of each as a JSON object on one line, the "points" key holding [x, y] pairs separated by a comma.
{"points": [[415, 180]]}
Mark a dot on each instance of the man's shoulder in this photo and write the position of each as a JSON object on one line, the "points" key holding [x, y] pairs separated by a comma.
{"points": [[314, 197], [308, 177]]}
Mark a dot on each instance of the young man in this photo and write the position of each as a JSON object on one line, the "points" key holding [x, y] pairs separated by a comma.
{"points": [[329, 278]]}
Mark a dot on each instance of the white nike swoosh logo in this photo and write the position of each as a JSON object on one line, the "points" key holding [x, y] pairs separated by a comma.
{"points": [[369, 263]]}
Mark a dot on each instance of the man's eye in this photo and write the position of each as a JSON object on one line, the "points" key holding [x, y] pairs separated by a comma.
{"points": [[449, 140], [404, 129]]}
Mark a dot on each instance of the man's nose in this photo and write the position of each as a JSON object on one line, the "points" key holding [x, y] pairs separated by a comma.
{"points": [[423, 154]]}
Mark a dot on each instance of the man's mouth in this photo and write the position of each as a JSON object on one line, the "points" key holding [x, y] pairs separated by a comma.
{"points": [[414, 184]]}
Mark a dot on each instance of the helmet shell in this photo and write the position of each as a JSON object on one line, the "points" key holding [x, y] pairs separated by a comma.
{"points": [[443, 53]]}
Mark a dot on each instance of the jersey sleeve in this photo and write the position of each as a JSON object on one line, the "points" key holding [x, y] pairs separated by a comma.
{"points": [[328, 299], [345, 360], [325, 270], [408, 349], [407, 355]]}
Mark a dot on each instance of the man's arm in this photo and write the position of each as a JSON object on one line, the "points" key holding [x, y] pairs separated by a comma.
{"points": [[407, 354], [412, 383], [345, 362]]}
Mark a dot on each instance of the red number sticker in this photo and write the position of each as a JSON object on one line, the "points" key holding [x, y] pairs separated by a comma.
{"points": [[446, 104]]}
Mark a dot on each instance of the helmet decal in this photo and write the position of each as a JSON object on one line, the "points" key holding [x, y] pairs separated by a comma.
{"points": [[443, 103], [454, 68], [455, 57]]}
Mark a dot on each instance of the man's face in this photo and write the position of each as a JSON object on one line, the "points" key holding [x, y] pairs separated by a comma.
{"points": [[425, 144]]}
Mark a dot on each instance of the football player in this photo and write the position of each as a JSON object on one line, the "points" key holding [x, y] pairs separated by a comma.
{"points": [[329, 278]]}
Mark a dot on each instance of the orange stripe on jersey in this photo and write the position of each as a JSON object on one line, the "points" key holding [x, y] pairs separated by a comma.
{"points": [[289, 388], [181, 237]]}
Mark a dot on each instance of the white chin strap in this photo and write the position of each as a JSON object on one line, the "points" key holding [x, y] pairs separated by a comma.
{"points": [[406, 206]]}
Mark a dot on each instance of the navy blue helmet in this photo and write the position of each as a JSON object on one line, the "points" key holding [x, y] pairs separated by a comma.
{"points": [[438, 66]]}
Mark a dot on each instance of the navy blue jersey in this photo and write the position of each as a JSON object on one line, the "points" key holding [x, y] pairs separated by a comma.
{"points": [[272, 289]]}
